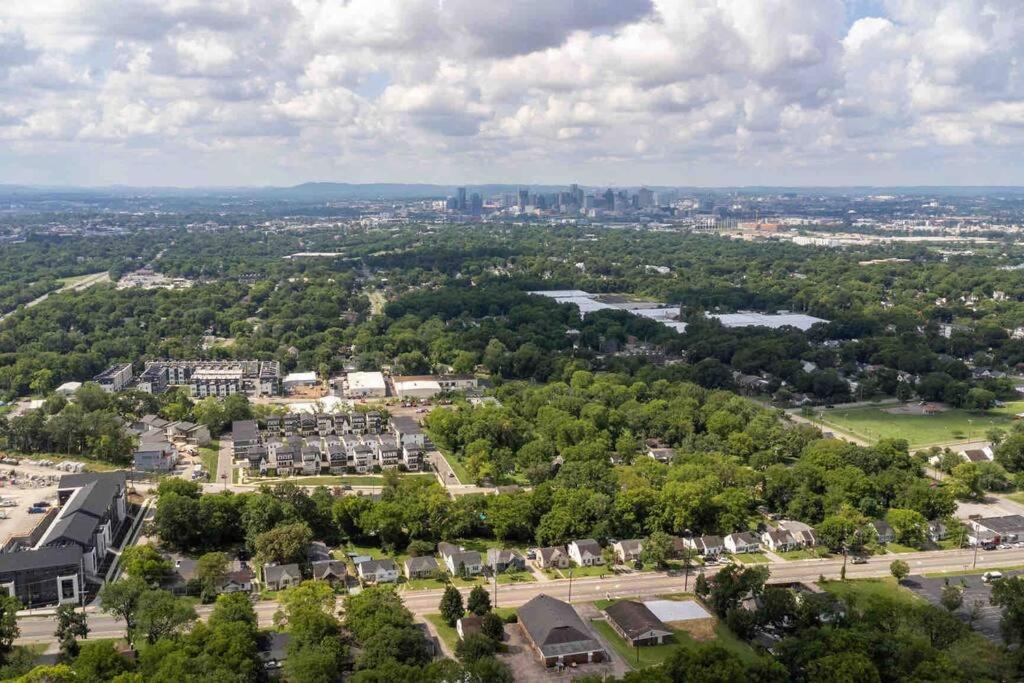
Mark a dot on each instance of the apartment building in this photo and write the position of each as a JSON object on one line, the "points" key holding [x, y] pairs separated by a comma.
{"points": [[213, 377], [115, 378]]}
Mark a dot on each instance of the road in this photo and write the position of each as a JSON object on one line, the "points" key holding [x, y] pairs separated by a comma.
{"points": [[225, 462], [39, 629], [84, 283]]}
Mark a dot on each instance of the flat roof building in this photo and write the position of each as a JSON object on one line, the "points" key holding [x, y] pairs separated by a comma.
{"points": [[365, 385]]}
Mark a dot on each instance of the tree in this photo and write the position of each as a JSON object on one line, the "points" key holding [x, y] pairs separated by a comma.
{"points": [[656, 549], [160, 614], [210, 412], [910, 526], [952, 597], [121, 598], [1008, 595], [899, 569], [146, 563], [451, 607], [479, 601], [211, 571], [319, 663], [99, 661], [493, 627], [475, 646], [71, 625], [284, 543], [232, 608]]}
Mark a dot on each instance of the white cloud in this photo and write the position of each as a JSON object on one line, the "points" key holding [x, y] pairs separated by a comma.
{"points": [[671, 91]]}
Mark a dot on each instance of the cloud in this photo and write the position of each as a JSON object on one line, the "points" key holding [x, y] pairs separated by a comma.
{"points": [[628, 91]]}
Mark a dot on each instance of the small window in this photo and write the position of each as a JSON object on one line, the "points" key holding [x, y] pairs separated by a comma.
{"points": [[68, 589]]}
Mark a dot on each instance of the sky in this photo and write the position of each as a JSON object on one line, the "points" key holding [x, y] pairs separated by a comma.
{"points": [[618, 92]]}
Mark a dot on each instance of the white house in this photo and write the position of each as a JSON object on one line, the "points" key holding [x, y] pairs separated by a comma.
{"points": [[377, 571], [586, 552], [744, 542]]}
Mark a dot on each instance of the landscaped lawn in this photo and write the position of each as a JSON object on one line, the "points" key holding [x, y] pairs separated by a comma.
{"points": [[860, 590], [803, 554], [651, 655], [873, 423], [899, 548], [448, 633], [580, 572], [750, 558]]}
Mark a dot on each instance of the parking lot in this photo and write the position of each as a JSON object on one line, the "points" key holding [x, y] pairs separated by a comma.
{"points": [[976, 595]]}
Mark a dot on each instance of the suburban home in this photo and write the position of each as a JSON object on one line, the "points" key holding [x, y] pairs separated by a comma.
{"points": [[189, 432], [803, 534], [706, 545], [742, 542], [155, 453], [331, 571], [378, 571], [238, 580], [557, 634], [422, 567], [469, 625], [885, 533], [937, 531], [628, 550], [665, 455], [637, 624], [502, 560], [778, 541], [554, 557], [280, 576], [464, 562], [586, 552]]}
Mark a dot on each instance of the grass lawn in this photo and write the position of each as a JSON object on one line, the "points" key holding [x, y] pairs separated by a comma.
{"points": [[898, 548], [953, 425], [461, 473], [859, 590], [750, 558], [803, 554], [580, 572], [209, 455], [76, 279], [1017, 497], [642, 657]]}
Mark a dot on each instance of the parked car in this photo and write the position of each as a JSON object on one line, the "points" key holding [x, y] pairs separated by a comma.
{"points": [[36, 511], [8, 504], [858, 559], [41, 504], [989, 577]]}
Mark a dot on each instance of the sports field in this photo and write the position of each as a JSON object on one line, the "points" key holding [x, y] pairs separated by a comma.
{"points": [[954, 425]]}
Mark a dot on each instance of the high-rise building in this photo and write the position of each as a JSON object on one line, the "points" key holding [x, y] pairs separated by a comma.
{"points": [[476, 204], [524, 199], [609, 198], [645, 198], [460, 194]]}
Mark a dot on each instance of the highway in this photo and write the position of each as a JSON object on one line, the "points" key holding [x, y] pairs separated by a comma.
{"points": [[39, 629]]}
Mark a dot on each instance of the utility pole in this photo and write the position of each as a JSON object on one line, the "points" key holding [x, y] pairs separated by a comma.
{"points": [[570, 585], [494, 572]]}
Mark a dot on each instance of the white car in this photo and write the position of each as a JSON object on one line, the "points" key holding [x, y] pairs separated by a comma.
{"points": [[989, 577], [8, 504]]}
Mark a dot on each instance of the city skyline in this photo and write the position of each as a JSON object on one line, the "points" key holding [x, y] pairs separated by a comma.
{"points": [[696, 93]]}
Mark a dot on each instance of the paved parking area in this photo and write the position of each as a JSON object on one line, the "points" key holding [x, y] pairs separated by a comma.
{"points": [[976, 595]]}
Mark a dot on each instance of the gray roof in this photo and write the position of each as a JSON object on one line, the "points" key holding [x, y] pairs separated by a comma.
{"points": [[275, 572], [76, 528], [1007, 524], [631, 545], [245, 430], [588, 545], [547, 554], [374, 566], [445, 548], [635, 618], [40, 558], [466, 557], [555, 628], [322, 568], [502, 556], [423, 563]]}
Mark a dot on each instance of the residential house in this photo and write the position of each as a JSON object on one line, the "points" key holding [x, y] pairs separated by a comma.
{"points": [[245, 434], [469, 625], [331, 571], [556, 633], [885, 533], [155, 453], [629, 550], [708, 546], [937, 531], [637, 624], [802, 533], [778, 540], [189, 432], [586, 552], [280, 576], [502, 560], [462, 562], [239, 579], [743, 542], [377, 571], [422, 567], [665, 455], [554, 557]]}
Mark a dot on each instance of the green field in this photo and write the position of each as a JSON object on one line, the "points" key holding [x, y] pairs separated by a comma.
{"points": [[859, 591], [954, 425], [652, 655], [209, 455]]}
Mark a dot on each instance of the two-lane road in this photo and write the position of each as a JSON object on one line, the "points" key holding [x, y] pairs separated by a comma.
{"points": [[39, 629]]}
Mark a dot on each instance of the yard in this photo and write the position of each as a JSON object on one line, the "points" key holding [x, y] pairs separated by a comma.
{"points": [[449, 635], [209, 454], [872, 423], [803, 554], [858, 591], [750, 558]]}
